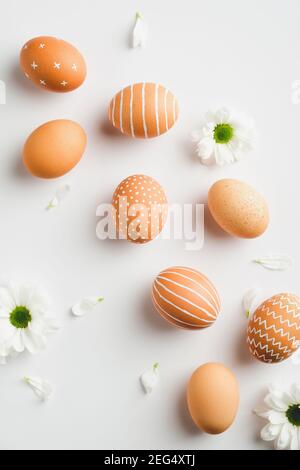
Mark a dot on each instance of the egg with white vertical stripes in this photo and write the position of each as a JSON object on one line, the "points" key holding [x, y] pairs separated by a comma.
{"points": [[144, 110], [186, 298]]}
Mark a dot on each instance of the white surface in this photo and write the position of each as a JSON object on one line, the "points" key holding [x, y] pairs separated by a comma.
{"points": [[244, 54]]}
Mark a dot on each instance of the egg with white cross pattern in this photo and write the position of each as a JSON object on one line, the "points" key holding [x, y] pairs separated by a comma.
{"points": [[53, 64]]}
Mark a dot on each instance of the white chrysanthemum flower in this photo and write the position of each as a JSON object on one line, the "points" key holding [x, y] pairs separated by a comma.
{"points": [[224, 137], [283, 413], [42, 388], [24, 320], [149, 379], [86, 305], [140, 32]]}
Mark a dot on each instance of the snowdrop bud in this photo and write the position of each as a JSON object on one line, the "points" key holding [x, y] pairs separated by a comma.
{"points": [[140, 32], [149, 379]]}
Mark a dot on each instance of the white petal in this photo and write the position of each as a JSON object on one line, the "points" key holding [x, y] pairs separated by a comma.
{"points": [[275, 402], [149, 379], [295, 442], [270, 432], [42, 388], [86, 305], [205, 149], [275, 262], [251, 300], [140, 32], [284, 438], [18, 341], [60, 195], [275, 417], [222, 116], [7, 302], [295, 392], [262, 413], [223, 154]]}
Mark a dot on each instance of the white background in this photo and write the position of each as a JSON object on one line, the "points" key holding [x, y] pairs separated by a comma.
{"points": [[243, 54]]}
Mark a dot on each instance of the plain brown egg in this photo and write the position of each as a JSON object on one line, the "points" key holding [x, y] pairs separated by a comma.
{"points": [[213, 398], [54, 149]]}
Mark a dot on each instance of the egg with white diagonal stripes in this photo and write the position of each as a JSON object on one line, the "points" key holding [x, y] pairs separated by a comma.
{"points": [[144, 110], [186, 298], [273, 332]]}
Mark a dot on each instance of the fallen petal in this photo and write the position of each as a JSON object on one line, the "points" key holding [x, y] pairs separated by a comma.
{"points": [[60, 195], [42, 388], [251, 300], [149, 379], [86, 306], [140, 32], [275, 262]]}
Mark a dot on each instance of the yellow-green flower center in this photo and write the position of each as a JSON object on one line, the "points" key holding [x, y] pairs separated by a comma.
{"points": [[20, 317], [293, 414], [223, 133]]}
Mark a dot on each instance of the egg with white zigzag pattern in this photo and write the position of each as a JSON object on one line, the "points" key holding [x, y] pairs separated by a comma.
{"points": [[273, 333]]}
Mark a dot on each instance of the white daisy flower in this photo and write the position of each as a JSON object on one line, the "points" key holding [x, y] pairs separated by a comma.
{"points": [[149, 379], [283, 414], [42, 388], [224, 137], [24, 320]]}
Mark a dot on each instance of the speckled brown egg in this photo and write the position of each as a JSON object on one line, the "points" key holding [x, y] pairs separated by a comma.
{"points": [[238, 208], [141, 209], [54, 148], [53, 64]]}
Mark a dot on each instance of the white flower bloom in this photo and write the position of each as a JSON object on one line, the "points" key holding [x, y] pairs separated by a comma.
{"points": [[60, 195], [86, 305], [24, 320], [149, 379], [251, 300], [275, 262], [42, 388], [140, 32], [283, 414], [224, 137]]}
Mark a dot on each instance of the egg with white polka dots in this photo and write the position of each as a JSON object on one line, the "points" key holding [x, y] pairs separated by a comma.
{"points": [[53, 64], [144, 110], [140, 209]]}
